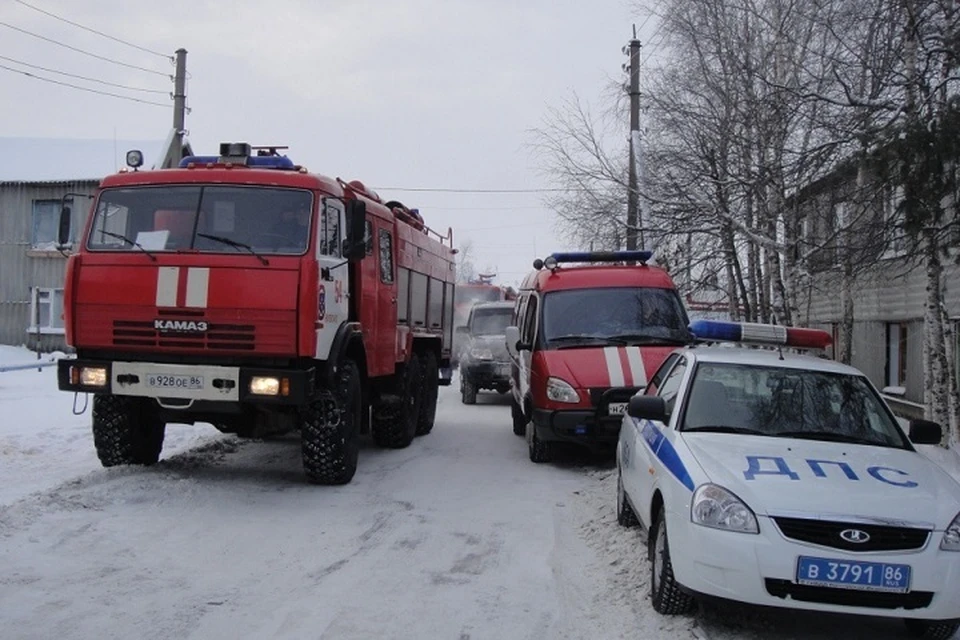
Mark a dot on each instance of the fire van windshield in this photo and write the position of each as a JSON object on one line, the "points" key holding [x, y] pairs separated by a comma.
{"points": [[620, 315], [209, 219]]}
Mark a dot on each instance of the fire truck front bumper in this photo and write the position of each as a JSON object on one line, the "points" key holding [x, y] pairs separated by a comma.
{"points": [[180, 384], [581, 427]]}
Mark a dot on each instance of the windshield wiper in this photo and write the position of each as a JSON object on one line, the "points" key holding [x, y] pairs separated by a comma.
{"points": [[234, 243], [132, 243], [831, 436], [577, 340], [726, 429], [645, 338]]}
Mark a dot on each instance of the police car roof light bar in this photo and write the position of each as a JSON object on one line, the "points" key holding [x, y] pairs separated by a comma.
{"points": [[756, 333], [602, 256]]}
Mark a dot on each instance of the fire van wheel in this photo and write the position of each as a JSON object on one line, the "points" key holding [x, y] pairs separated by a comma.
{"points": [[932, 629], [539, 450], [329, 431], [126, 431], [625, 515], [394, 422], [468, 391], [519, 422], [666, 594], [431, 390]]}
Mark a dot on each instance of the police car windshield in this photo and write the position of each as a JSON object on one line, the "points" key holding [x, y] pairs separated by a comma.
{"points": [[620, 315], [204, 218], [788, 403], [490, 322]]}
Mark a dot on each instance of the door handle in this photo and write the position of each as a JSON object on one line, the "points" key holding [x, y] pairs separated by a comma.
{"points": [[393, 300]]}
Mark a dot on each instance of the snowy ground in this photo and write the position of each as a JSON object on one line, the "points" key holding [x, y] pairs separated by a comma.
{"points": [[459, 536]]}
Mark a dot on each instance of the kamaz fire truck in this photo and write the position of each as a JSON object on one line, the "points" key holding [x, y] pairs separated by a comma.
{"points": [[243, 291]]}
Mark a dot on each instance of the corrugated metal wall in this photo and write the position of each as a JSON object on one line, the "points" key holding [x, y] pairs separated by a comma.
{"points": [[22, 268]]}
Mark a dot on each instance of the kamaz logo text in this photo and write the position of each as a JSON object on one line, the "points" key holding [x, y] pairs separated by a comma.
{"points": [[190, 326]]}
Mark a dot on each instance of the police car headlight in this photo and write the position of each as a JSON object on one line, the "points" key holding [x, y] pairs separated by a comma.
{"points": [[951, 537], [481, 354], [560, 390], [714, 506]]}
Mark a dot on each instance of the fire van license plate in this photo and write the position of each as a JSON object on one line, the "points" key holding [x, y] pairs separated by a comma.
{"points": [[617, 408], [165, 381], [852, 574]]}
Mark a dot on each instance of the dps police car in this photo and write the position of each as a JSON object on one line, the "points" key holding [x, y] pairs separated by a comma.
{"points": [[784, 480]]}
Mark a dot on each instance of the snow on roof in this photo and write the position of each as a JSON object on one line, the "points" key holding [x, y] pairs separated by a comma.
{"points": [[65, 159]]}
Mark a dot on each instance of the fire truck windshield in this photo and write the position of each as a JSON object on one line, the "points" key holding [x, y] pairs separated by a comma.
{"points": [[206, 218], [616, 315]]}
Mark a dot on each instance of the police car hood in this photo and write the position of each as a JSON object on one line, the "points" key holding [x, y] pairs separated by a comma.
{"points": [[780, 476], [601, 367]]}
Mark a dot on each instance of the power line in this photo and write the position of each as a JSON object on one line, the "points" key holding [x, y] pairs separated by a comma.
{"points": [[73, 86], [469, 190], [99, 33], [73, 75], [86, 53]]}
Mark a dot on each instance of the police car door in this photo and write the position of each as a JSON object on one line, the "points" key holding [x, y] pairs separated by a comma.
{"points": [[334, 286]]}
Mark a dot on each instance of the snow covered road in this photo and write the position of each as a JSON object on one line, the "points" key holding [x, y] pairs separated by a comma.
{"points": [[459, 536]]}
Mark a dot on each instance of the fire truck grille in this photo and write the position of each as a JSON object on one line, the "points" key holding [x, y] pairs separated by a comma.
{"points": [[217, 337]]}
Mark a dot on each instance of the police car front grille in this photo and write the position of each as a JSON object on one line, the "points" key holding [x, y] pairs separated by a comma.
{"points": [[827, 533], [218, 337], [848, 597]]}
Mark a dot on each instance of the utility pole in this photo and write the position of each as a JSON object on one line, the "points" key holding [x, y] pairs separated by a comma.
{"points": [[634, 220], [174, 150]]}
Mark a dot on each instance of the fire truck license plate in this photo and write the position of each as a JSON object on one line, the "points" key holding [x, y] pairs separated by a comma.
{"points": [[165, 381], [617, 408]]}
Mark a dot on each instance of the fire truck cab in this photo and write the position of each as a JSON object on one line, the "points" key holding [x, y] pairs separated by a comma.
{"points": [[244, 291], [584, 339]]}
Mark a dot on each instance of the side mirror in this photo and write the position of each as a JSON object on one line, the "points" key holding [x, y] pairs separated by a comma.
{"points": [[648, 408], [512, 336], [463, 331], [925, 432], [63, 231], [356, 247]]}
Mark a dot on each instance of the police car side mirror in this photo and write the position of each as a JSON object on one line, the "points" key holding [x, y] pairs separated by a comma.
{"points": [[512, 336], [648, 408], [925, 432]]}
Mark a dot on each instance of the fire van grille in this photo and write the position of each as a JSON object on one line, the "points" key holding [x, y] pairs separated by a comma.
{"points": [[827, 533], [848, 597], [217, 337]]}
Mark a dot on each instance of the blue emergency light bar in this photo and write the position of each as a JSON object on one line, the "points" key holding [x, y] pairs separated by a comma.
{"points": [[756, 333], [600, 256], [261, 162]]}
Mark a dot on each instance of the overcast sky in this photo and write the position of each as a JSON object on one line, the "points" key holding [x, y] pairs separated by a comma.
{"points": [[407, 94]]}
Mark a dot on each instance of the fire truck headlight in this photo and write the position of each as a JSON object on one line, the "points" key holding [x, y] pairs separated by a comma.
{"points": [[93, 376], [560, 390], [265, 385]]}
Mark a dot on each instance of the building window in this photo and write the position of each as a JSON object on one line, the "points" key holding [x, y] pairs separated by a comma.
{"points": [[894, 220], [386, 256], [46, 311], [46, 223], [896, 354]]}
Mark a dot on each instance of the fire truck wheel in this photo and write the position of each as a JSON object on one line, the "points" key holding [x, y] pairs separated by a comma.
{"points": [[431, 389], [394, 423], [126, 431], [329, 431], [468, 391], [519, 422]]}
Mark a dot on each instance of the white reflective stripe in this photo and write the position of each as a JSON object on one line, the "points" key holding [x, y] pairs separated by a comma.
{"points": [[198, 281], [774, 334], [167, 282], [614, 369], [637, 371]]}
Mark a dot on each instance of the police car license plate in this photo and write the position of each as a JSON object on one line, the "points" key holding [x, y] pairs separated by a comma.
{"points": [[617, 408], [167, 381], [852, 574]]}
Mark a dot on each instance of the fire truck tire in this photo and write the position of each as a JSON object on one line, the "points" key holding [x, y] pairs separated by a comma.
{"points": [[519, 422], [431, 389], [125, 431], [394, 422], [329, 431]]}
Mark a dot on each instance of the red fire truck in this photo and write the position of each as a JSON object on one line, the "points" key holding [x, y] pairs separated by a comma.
{"points": [[243, 291], [585, 338]]}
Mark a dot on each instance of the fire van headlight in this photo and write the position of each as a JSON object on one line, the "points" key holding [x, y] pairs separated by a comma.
{"points": [[265, 385], [93, 376], [951, 537], [560, 390], [714, 506]]}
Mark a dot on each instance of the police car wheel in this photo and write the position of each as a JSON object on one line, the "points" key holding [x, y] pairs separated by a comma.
{"points": [[932, 630], [666, 595], [625, 515]]}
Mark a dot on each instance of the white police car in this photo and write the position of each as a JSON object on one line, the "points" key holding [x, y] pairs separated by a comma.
{"points": [[784, 480]]}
